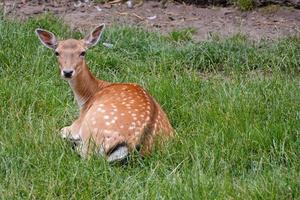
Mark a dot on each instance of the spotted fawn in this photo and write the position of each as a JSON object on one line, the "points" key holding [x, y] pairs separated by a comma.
{"points": [[115, 118]]}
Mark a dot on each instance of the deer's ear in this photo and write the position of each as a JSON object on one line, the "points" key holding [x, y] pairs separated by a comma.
{"points": [[47, 38], [93, 38]]}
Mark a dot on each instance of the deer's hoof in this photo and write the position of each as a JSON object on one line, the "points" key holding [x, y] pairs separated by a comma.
{"points": [[65, 132]]}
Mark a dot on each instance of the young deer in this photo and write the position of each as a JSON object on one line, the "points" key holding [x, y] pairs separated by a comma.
{"points": [[115, 118]]}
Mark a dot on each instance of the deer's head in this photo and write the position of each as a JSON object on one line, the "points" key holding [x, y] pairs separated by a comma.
{"points": [[70, 53]]}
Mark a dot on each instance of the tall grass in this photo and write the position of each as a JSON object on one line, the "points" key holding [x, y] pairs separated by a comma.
{"points": [[234, 104]]}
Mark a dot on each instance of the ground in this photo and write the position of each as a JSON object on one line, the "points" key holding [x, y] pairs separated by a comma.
{"points": [[269, 22]]}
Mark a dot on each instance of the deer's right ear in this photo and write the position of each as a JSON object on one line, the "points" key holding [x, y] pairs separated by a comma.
{"points": [[47, 38]]}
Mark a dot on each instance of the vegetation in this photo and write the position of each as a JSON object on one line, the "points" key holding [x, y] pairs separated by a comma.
{"points": [[182, 35], [245, 5], [234, 104]]}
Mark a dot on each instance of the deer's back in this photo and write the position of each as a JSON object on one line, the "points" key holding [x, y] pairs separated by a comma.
{"points": [[125, 112]]}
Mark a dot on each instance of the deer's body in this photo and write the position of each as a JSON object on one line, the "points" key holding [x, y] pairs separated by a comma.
{"points": [[115, 118]]}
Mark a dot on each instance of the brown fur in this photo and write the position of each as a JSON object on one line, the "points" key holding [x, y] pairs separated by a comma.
{"points": [[110, 113]]}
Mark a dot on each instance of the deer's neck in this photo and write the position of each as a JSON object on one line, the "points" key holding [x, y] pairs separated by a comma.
{"points": [[85, 86]]}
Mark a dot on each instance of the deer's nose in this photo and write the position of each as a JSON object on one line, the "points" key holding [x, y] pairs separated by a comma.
{"points": [[68, 73]]}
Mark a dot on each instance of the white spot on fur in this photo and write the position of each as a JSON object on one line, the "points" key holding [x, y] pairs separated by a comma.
{"points": [[106, 117], [132, 126], [101, 110], [106, 131]]}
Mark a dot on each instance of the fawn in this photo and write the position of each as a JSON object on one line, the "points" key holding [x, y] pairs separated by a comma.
{"points": [[115, 118]]}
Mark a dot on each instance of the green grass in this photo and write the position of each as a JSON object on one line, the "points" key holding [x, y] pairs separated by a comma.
{"points": [[245, 5], [235, 105], [182, 35]]}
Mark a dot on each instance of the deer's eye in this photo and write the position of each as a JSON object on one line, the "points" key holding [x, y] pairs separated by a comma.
{"points": [[56, 53], [82, 54]]}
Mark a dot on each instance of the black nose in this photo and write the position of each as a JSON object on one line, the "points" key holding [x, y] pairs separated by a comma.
{"points": [[68, 73]]}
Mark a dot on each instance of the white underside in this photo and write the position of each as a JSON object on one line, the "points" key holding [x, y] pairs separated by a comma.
{"points": [[119, 154]]}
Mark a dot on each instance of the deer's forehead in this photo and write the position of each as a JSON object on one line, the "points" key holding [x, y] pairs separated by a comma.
{"points": [[71, 45]]}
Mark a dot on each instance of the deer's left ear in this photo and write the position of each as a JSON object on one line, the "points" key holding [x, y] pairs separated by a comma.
{"points": [[93, 38]]}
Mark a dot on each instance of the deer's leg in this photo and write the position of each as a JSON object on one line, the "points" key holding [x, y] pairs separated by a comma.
{"points": [[112, 146], [71, 132], [118, 152], [85, 148], [147, 147], [87, 144]]}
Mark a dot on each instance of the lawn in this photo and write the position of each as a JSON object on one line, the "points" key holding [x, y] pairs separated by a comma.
{"points": [[234, 103]]}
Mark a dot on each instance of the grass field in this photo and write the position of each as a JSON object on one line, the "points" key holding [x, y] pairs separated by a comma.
{"points": [[235, 105]]}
